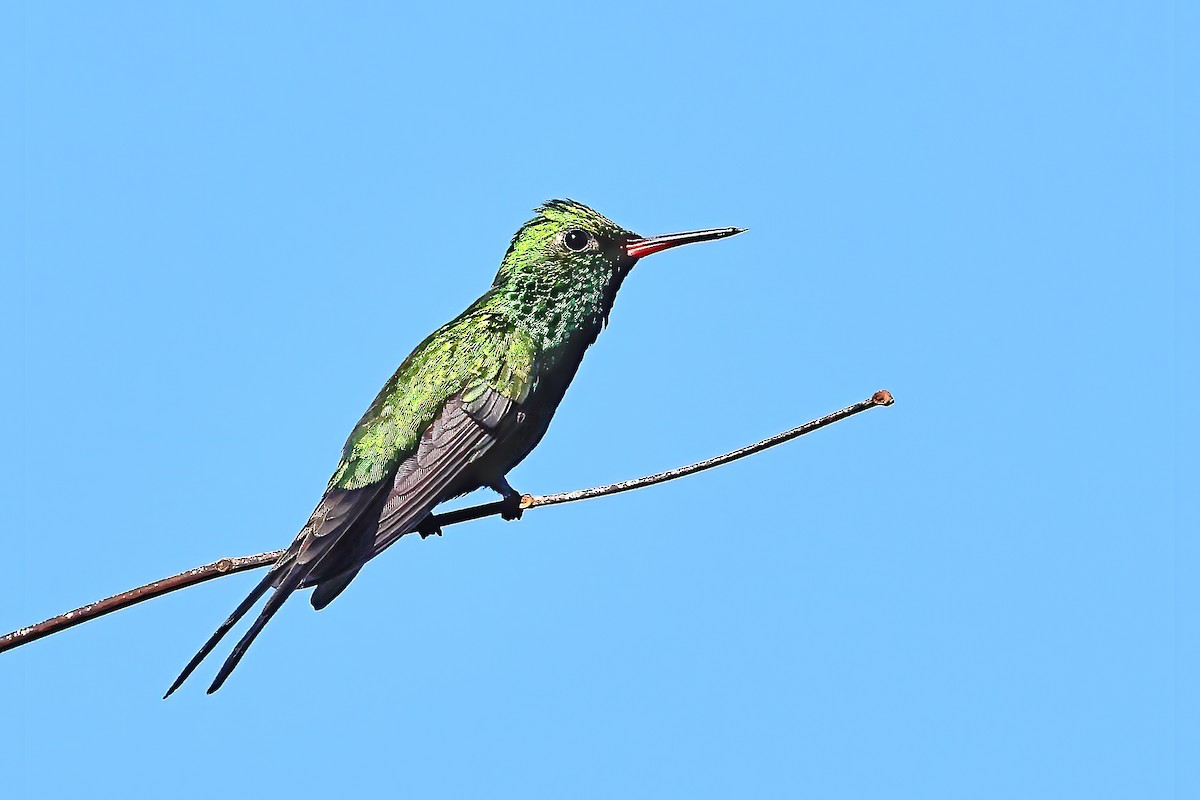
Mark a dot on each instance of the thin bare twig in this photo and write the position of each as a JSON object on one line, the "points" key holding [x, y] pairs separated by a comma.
{"points": [[229, 566]]}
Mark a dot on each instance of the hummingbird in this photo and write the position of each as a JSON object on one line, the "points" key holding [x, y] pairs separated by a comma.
{"points": [[466, 406]]}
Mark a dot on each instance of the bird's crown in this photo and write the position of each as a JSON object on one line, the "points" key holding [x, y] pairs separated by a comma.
{"points": [[564, 233]]}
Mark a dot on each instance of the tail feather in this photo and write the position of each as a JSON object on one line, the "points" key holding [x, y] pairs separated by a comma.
{"points": [[333, 545], [291, 583], [330, 588], [225, 627]]}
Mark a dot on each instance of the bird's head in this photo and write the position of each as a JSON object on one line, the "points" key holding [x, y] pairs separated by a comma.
{"points": [[567, 242]]}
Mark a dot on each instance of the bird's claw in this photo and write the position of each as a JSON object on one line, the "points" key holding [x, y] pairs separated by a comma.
{"points": [[511, 507]]}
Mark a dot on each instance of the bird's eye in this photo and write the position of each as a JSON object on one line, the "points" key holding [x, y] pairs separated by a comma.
{"points": [[575, 239]]}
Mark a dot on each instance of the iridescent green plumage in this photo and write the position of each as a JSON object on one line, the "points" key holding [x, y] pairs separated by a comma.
{"points": [[480, 350], [544, 303], [464, 408]]}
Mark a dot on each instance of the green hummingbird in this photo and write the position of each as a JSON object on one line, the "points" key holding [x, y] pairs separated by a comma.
{"points": [[466, 406]]}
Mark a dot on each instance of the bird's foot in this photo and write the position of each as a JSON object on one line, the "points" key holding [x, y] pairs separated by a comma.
{"points": [[512, 507], [511, 499], [429, 528]]}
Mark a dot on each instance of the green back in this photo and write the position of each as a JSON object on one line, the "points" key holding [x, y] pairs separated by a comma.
{"points": [[546, 305]]}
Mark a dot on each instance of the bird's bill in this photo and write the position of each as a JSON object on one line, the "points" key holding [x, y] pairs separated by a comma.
{"points": [[637, 248]]}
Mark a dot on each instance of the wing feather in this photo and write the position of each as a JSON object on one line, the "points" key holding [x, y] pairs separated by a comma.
{"points": [[409, 452], [466, 433]]}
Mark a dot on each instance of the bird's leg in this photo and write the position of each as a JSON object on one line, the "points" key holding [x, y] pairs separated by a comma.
{"points": [[428, 527], [511, 498]]}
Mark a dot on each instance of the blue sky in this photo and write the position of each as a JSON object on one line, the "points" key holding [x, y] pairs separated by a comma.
{"points": [[237, 219]]}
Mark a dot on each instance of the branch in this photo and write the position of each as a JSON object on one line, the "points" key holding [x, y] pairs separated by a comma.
{"points": [[229, 566]]}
